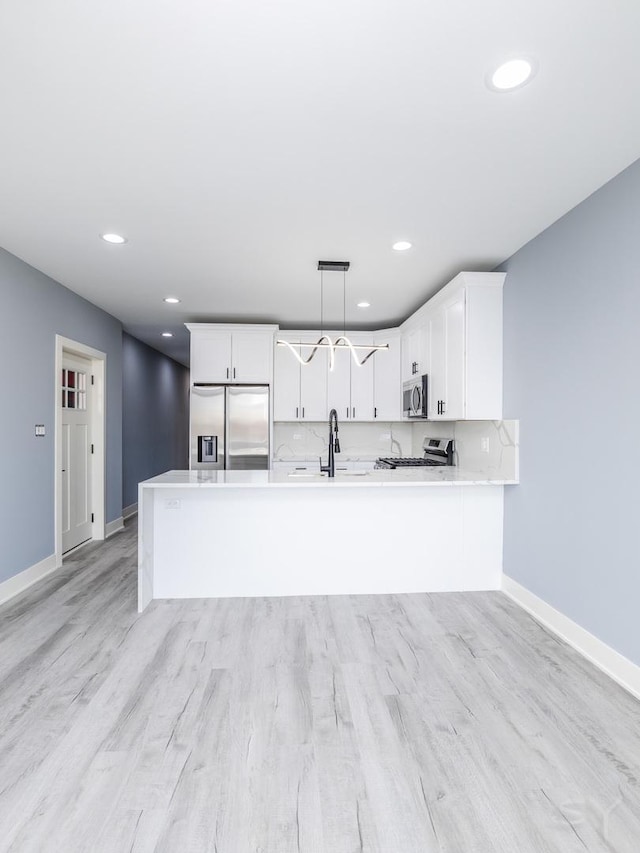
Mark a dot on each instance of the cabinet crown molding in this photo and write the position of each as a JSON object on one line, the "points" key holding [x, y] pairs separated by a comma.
{"points": [[232, 327], [463, 279]]}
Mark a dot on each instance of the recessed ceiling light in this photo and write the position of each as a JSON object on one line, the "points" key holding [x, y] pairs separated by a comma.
{"points": [[511, 75], [401, 246], [113, 238], [167, 334], [364, 305], [172, 300]]}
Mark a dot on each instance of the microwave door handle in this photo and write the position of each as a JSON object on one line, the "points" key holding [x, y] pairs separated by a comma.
{"points": [[415, 401]]}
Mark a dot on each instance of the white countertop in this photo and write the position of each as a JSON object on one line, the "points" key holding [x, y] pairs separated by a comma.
{"points": [[445, 476]]}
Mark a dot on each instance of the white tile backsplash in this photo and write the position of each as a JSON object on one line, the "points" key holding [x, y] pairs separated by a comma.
{"points": [[357, 440], [298, 441], [482, 446]]}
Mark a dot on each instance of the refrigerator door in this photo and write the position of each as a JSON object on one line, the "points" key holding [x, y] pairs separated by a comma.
{"points": [[247, 427], [207, 444]]}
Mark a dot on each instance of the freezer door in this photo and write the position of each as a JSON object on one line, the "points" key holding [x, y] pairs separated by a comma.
{"points": [[207, 443], [247, 427]]}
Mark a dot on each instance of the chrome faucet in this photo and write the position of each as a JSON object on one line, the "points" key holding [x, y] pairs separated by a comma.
{"points": [[334, 445]]}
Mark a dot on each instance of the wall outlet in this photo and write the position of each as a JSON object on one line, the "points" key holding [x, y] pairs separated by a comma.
{"points": [[484, 445], [172, 503], [40, 431]]}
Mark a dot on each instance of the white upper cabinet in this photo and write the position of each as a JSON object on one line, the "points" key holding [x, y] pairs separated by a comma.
{"points": [[313, 383], [339, 384], [210, 355], [299, 391], [413, 352], [455, 338], [286, 382], [310, 391], [251, 356], [446, 392], [350, 385], [387, 386], [231, 353], [464, 343], [362, 379]]}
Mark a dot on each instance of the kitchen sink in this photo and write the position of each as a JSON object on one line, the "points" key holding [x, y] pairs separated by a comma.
{"points": [[307, 475]]}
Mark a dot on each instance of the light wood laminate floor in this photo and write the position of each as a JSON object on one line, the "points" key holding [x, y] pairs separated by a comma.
{"points": [[381, 724]]}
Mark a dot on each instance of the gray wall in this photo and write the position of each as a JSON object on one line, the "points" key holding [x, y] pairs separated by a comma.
{"points": [[155, 415], [34, 308], [572, 377]]}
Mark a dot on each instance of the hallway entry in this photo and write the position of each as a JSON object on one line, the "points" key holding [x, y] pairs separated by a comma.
{"points": [[76, 401], [80, 453]]}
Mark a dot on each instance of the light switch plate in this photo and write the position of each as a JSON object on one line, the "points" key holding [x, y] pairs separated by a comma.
{"points": [[40, 431]]}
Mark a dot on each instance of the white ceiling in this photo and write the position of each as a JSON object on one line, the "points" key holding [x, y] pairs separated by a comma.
{"points": [[236, 142]]}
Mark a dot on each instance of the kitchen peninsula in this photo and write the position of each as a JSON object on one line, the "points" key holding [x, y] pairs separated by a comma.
{"points": [[220, 530], [271, 533]]}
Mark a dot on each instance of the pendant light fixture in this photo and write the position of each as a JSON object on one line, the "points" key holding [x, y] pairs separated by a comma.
{"points": [[324, 341]]}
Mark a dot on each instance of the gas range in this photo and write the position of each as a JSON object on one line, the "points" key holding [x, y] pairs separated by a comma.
{"points": [[437, 452], [406, 462]]}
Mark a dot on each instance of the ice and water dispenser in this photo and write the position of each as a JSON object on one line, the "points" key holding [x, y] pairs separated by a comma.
{"points": [[207, 448]]}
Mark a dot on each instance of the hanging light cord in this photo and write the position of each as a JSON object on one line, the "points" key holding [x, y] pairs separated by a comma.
{"points": [[344, 303]]}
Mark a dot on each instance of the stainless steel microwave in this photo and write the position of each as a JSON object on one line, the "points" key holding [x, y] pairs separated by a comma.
{"points": [[415, 398]]}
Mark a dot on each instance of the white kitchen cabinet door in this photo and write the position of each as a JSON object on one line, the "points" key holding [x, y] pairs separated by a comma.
{"points": [[436, 388], [211, 356], [483, 367], [339, 385], [447, 360], [286, 383], [412, 353], [387, 384], [362, 379], [313, 383], [454, 323], [251, 354]]}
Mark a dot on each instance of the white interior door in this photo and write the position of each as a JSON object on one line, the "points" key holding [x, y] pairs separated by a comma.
{"points": [[75, 391]]}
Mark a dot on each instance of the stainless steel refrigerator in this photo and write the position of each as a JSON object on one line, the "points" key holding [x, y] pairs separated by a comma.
{"points": [[229, 427]]}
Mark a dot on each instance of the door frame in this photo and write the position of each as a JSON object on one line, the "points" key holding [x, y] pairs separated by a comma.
{"points": [[98, 361]]}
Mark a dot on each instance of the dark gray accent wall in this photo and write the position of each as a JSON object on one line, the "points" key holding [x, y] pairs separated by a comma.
{"points": [[155, 415], [34, 308], [572, 377]]}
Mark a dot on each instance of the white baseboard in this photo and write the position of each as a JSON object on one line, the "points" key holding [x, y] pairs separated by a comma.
{"points": [[616, 666], [23, 580], [114, 526], [130, 510]]}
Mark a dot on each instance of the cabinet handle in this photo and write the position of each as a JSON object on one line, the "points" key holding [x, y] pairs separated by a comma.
{"points": [[227, 372], [353, 412], [303, 411], [296, 411], [234, 373], [375, 412], [443, 408]]}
